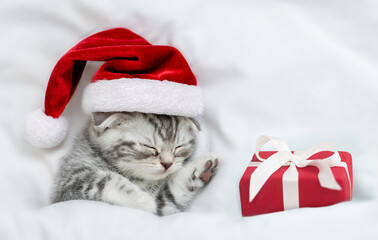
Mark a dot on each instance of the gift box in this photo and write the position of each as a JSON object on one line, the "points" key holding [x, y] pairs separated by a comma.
{"points": [[282, 180]]}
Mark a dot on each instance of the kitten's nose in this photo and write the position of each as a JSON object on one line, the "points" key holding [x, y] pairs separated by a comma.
{"points": [[166, 165]]}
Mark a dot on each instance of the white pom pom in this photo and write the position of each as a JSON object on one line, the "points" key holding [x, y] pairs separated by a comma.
{"points": [[44, 131]]}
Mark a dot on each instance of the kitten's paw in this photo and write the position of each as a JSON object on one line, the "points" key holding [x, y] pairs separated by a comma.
{"points": [[147, 205], [141, 200], [204, 169]]}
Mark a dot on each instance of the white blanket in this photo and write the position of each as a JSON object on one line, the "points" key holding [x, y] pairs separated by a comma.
{"points": [[305, 71]]}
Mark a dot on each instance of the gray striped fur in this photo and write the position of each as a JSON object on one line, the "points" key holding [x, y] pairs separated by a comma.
{"points": [[135, 160]]}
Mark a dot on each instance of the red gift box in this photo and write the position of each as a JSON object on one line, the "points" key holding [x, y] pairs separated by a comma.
{"points": [[310, 193]]}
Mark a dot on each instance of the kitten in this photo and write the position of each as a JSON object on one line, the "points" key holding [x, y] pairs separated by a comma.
{"points": [[136, 160]]}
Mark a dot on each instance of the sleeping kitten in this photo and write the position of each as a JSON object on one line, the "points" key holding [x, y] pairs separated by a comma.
{"points": [[136, 160]]}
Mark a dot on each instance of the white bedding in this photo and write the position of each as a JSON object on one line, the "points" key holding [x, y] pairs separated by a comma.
{"points": [[305, 71]]}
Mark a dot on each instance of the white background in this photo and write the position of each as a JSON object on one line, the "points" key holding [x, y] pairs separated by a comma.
{"points": [[305, 71]]}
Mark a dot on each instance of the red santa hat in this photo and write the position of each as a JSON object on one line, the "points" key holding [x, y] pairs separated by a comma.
{"points": [[135, 77]]}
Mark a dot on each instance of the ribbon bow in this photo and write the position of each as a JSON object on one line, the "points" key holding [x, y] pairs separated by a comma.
{"points": [[284, 157]]}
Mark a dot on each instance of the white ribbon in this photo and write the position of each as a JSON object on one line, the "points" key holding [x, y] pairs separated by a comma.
{"points": [[284, 157]]}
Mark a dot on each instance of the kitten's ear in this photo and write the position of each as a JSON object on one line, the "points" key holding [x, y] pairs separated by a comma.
{"points": [[99, 117], [195, 124], [103, 121]]}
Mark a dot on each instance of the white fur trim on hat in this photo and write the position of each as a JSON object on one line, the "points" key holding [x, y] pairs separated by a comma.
{"points": [[44, 131], [143, 95]]}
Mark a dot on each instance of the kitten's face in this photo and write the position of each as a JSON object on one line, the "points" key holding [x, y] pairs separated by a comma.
{"points": [[146, 146]]}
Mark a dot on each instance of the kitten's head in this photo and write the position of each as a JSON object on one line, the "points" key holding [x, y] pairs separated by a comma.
{"points": [[142, 145]]}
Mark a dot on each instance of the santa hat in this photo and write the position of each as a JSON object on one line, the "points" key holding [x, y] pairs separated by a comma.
{"points": [[135, 77]]}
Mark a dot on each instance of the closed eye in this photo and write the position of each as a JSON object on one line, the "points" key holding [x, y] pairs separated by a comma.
{"points": [[191, 142], [154, 150], [183, 151], [180, 146]]}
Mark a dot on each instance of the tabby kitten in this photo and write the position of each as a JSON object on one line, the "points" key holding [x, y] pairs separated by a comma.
{"points": [[136, 160]]}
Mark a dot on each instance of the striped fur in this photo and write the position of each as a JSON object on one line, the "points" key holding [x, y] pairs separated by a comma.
{"points": [[136, 160]]}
